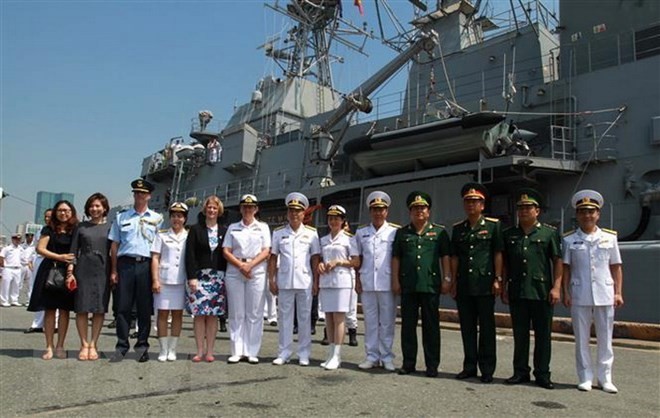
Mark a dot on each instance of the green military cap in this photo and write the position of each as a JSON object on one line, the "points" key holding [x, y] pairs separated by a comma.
{"points": [[529, 196], [474, 191], [418, 198]]}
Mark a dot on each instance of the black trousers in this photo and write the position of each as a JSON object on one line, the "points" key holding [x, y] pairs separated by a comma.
{"points": [[134, 288], [539, 313], [477, 318], [411, 305]]}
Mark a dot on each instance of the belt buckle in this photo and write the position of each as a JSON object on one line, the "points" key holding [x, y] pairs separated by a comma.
{"points": [[139, 259]]}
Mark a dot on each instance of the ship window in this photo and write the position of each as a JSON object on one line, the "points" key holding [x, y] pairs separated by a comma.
{"points": [[647, 42]]}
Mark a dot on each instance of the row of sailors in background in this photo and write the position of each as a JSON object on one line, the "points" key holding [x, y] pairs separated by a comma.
{"points": [[17, 264], [210, 271]]}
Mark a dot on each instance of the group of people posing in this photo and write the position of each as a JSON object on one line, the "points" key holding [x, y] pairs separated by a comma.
{"points": [[212, 270]]}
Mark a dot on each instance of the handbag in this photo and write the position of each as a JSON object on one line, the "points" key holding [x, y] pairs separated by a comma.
{"points": [[55, 280]]}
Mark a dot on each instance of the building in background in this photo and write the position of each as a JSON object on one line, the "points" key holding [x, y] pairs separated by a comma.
{"points": [[46, 200]]}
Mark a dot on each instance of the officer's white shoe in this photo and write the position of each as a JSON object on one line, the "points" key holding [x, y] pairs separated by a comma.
{"points": [[389, 366], [609, 387], [171, 349], [335, 361], [280, 361], [253, 360], [162, 355], [584, 386], [234, 359], [303, 362], [331, 350], [366, 365]]}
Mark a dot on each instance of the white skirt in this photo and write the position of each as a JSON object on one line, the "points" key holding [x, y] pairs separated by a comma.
{"points": [[171, 297], [335, 300]]}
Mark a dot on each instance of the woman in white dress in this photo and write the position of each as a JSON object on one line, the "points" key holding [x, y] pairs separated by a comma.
{"points": [[246, 249], [168, 278], [339, 256]]}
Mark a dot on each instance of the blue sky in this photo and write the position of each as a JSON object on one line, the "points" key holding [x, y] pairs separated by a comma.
{"points": [[90, 88]]}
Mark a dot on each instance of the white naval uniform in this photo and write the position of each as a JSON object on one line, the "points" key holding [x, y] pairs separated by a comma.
{"points": [[11, 274], [29, 251], [592, 295], [245, 297], [336, 286], [171, 269], [378, 300], [294, 279]]}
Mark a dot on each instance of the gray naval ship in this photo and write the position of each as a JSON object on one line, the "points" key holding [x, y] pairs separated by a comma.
{"points": [[525, 98]]}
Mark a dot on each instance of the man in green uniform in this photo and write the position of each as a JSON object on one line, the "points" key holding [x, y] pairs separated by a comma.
{"points": [[477, 266], [533, 266], [419, 250]]}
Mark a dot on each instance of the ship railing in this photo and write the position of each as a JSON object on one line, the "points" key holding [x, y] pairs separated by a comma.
{"points": [[263, 187], [522, 15], [598, 147], [562, 143], [610, 50]]}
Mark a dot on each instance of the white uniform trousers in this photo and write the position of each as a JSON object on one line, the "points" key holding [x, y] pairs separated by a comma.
{"points": [[351, 320], [245, 299], [603, 319], [379, 310], [287, 300], [11, 284], [26, 277], [38, 320], [270, 304]]}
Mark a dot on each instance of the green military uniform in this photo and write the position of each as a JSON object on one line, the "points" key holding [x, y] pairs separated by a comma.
{"points": [[420, 279], [529, 259], [475, 249]]}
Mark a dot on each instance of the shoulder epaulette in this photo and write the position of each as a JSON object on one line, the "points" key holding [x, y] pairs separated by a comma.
{"points": [[310, 227], [459, 222], [362, 226], [491, 219], [395, 225], [438, 225], [549, 226], [279, 227], [610, 231], [350, 234], [567, 233], [123, 210], [509, 228], [163, 230]]}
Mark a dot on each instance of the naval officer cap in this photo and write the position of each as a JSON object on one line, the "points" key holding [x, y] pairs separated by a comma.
{"points": [[249, 200], [296, 200], [528, 197], [142, 186], [16, 236], [418, 198], [378, 199], [336, 210], [474, 191], [179, 207], [587, 199]]}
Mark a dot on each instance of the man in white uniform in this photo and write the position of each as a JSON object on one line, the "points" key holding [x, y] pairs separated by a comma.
{"points": [[374, 284], [592, 283], [27, 263], [296, 246], [10, 260]]}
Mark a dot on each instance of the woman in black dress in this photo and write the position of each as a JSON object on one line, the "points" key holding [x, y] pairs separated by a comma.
{"points": [[55, 247], [92, 249]]}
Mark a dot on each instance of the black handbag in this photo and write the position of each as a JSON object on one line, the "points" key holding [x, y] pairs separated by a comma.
{"points": [[55, 280]]}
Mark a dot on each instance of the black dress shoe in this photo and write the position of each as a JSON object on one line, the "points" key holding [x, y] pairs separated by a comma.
{"points": [[144, 357], [517, 379], [545, 383], [486, 378], [33, 330], [464, 374], [405, 370], [431, 373], [112, 324], [117, 357], [313, 331], [295, 330]]}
